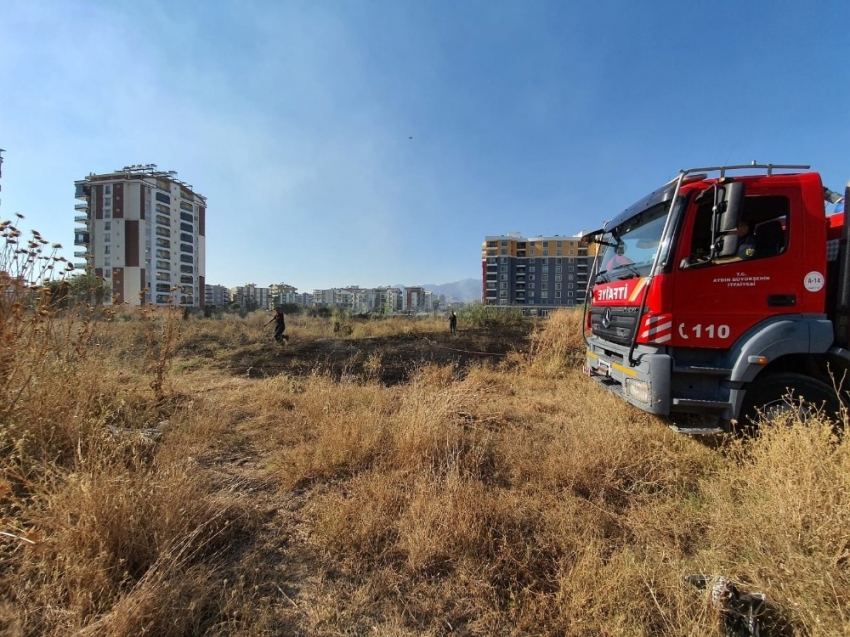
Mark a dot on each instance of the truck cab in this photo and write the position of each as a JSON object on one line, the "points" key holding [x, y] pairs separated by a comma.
{"points": [[716, 297]]}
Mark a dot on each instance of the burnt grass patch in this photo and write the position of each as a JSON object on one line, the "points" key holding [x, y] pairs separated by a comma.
{"points": [[390, 360]]}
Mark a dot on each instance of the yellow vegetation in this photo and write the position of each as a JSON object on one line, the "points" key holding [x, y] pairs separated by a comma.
{"points": [[148, 487]]}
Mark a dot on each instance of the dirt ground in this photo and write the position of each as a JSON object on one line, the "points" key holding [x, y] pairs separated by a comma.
{"points": [[389, 359]]}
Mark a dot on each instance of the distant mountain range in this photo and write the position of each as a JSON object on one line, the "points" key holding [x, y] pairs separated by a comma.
{"points": [[462, 291]]}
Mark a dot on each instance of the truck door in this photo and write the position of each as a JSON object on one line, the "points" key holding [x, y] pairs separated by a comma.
{"points": [[717, 300]]}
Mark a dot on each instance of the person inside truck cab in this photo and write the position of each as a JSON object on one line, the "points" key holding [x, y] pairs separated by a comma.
{"points": [[746, 240], [619, 258]]}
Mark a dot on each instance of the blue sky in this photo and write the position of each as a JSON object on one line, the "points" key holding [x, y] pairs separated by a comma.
{"points": [[295, 118]]}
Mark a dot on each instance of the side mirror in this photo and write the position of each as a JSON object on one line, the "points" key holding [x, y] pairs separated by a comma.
{"points": [[726, 213], [728, 204]]}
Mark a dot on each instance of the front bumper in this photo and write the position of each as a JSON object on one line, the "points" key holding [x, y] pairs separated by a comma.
{"points": [[645, 385]]}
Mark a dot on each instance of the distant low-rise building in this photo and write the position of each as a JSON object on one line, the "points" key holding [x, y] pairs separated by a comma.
{"points": [[283, 294], [217, 295], [251, 297]]}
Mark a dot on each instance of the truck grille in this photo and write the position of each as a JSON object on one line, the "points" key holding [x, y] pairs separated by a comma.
{"points": [[615, 324]]}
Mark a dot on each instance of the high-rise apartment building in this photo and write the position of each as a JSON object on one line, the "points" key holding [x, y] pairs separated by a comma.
{"points": [[143, 231], [535, 272]]}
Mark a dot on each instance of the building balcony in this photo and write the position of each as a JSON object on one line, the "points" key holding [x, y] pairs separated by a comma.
{"points": [[82, 206], [81, 238], [81, 219], [81, 254], [81, 266]]}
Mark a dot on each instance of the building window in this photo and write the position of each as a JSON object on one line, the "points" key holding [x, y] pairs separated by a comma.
{"points": [[558, 253], [504, 251], [504, 268], [187, 217], [503, 293], [557, 286], [160, 196], [106, 250], [504, 243], [186, 269], [503, 286], [107, 189], [186, 237], [186, 248], [107, 273], [503, 277], [557, 295], [163, 265], [186, 226], [544, 268], [107, 202], [545, 253], [107, 225], [186, 258], [545, 244], [107, 262], [558, 277], [544, 278], [559, 243], [106, 237]]}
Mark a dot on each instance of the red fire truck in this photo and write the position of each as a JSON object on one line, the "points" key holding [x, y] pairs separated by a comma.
{"points": [[722, 295]]}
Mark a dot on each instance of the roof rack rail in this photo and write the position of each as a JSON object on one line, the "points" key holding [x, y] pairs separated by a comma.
{"points": [[768, 168]]}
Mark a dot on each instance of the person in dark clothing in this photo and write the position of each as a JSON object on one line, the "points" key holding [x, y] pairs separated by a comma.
{"points": [[453, 322], [746, 240], [280, 325]]}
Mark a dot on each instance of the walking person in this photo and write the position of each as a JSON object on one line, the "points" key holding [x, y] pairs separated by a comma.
{"points": [[280, 325], [453, 322]]}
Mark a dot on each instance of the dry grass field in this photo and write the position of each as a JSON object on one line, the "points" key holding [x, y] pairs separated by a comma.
{"points": [[171, 477]]}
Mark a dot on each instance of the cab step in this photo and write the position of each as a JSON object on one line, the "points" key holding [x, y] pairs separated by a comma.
{"points": [[697, 431]]}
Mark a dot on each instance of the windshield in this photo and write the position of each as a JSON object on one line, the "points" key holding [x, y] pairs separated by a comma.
{"points": [[630, 248]]}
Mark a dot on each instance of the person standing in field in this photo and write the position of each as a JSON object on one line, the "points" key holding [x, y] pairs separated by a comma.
{"points": [[280, 325], [452, 322]]}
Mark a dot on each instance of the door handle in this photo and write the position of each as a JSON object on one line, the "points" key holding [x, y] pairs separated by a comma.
{"points": [[781, 300]]}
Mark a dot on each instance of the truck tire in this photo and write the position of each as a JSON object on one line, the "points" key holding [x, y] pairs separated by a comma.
{"points": [[788, 393]]}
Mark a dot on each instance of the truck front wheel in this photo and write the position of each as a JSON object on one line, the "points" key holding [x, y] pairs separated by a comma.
{"points": [[788, 393]]}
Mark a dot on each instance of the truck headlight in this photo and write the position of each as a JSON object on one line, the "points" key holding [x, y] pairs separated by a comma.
{"points": [[638, 390]]}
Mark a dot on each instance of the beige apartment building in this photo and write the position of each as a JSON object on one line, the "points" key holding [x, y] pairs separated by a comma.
{"points": [[143, 231]]}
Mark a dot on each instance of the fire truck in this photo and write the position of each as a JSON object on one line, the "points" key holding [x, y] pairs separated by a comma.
{"points": [[723, 296]]}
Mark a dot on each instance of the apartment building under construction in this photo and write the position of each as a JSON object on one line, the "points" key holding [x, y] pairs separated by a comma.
{"points": [[538, 273]]}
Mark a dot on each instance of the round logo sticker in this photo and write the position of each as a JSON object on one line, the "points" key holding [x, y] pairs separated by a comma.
{"points": [[813, 281]]}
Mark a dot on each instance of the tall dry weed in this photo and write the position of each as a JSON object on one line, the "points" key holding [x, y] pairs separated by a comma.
{"points": [[557, 344]]}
